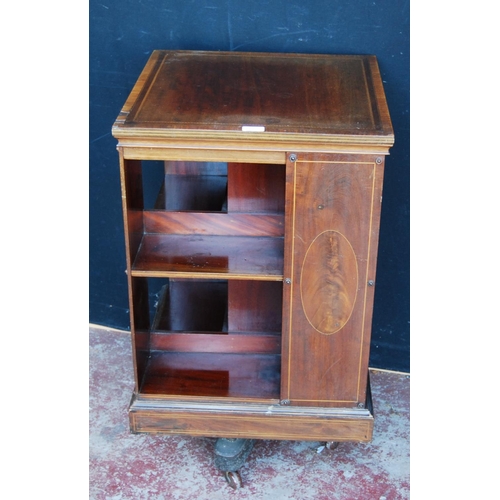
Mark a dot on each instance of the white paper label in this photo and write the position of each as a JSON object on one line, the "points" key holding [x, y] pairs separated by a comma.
{"points": [[253, 128]]}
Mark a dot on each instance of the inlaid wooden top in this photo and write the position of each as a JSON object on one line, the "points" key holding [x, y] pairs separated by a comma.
{"points": [[206, 93]]}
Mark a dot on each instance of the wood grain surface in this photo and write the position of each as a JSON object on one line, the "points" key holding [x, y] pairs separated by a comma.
{"points": [[330, 241]]}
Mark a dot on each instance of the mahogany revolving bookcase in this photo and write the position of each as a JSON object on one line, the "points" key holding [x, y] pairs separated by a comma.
{"points": [[251, 188]]}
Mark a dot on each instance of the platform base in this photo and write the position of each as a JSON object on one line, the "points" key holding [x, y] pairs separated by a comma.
{"points": [[251, 421]]}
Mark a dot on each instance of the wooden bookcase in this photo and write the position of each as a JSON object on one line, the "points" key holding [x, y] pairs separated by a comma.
{"points": [[251, 188]]}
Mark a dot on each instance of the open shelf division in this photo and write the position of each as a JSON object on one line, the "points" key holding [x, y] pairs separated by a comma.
{"points": [[212, 338], [208, 375], [210, 257], [213, 220]]}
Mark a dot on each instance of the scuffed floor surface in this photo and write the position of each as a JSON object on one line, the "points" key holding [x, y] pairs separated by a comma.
{"points": [[154, 467]]}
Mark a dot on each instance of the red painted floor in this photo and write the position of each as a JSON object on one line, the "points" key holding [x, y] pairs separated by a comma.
{"points": [[155, 467]]}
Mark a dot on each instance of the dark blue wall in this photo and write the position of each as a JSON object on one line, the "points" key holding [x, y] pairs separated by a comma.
{"points": [[123, 33]]}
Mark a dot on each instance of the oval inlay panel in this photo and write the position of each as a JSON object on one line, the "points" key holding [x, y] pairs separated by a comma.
{"points": [[329, 282]]}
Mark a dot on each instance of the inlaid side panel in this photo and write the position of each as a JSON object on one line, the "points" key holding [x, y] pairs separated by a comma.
{"points": [[332, 218], [329, 282]]}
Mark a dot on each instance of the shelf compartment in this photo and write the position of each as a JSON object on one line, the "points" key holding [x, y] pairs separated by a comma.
{"points": [[240, 376], [214, 187], [236, 307], [217, 257], [214, 338], [218, 317]]}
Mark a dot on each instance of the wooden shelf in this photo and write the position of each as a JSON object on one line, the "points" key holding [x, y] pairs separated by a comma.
{"points": [[212, 257], [240, 376], [222, 342]]}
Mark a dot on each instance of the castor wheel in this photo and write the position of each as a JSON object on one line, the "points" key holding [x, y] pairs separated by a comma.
{"points": [[233, 478], [230, 456], [329, 445], [332, 445]]}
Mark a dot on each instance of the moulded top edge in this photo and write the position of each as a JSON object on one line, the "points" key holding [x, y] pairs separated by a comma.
{"points": [[145, 134]]}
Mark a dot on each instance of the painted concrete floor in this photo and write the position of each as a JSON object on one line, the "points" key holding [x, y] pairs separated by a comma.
{"points": [[155, 467]]}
